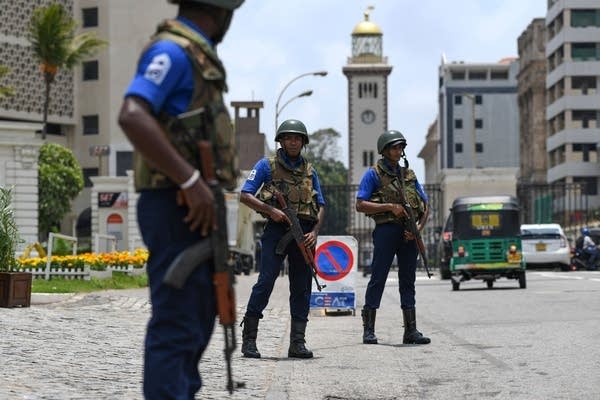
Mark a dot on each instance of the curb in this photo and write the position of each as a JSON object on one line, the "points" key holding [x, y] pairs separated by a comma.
{"points": [[48, 298]]}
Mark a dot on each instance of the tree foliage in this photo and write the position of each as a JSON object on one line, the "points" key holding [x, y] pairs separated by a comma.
{"points": [[4, 90], [55, 45], [323, 151], [60, 180]]}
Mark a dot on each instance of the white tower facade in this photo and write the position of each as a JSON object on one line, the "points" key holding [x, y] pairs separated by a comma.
{"points": [[367, 71]]}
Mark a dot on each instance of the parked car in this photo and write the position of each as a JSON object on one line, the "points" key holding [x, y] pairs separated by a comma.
{"points": [[545, 245], [444, 250]]}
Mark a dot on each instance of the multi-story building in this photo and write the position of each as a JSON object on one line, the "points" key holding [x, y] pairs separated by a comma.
{"points": [[532, 103], [85, 102], [430, 155], [478, 115], [573, 78]]}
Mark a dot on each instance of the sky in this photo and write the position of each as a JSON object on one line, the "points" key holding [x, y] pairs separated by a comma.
{"points": [[270, 42]]}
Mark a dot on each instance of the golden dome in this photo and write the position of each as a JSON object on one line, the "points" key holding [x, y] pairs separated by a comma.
{"points": [[367, 27]]}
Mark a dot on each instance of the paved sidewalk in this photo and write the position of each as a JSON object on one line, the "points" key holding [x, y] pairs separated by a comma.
{"points": [[90, 346]]}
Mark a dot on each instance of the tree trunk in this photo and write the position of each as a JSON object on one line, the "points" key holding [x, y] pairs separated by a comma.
{"points": [[46, 106]]}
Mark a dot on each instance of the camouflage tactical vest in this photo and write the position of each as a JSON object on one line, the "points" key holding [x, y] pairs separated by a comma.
{"points": [[390, 192], [295, 184], [212, 122]]}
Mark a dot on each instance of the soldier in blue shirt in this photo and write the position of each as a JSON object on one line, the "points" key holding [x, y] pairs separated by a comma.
{"points": [[381, 196], [290, 174], [176, 207]]}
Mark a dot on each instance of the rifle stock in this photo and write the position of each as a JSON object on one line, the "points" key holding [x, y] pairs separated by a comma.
{"points": [[298, 236], [412, 224]]}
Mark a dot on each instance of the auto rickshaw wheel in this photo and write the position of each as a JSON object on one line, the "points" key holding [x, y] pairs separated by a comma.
{"points": [[522, 280]]}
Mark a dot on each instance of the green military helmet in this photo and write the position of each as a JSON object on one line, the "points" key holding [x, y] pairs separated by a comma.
{"points": [[292, 126], [226, 4], [389, 137]]}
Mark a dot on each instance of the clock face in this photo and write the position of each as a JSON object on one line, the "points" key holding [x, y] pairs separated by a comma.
{"points": [[367, 117]]}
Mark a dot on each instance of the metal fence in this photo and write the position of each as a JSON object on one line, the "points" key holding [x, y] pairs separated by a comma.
{"points": [[563, 203], [341, 218]]}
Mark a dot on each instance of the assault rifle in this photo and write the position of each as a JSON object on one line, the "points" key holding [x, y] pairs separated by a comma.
{"points": [[412, 223], [215, 247], [297, 235]]}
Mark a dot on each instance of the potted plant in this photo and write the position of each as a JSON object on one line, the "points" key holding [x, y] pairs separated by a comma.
{"points": [[15, 286]]}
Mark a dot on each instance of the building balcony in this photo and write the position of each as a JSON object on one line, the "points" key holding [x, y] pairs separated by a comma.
{"points": [[589, 102], [568, 169], [566, 136]]}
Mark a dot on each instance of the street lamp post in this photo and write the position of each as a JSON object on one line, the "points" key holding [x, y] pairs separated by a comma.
{"points": [[303, 94]]}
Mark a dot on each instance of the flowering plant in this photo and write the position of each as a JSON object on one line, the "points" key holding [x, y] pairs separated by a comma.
{"points": [[96, 261]]}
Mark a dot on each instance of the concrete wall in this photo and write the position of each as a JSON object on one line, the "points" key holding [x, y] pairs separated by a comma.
{"points": [[476, 182], [19, 149]]}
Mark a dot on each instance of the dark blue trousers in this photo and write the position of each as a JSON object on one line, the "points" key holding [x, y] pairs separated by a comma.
{"points": [[182, 320], [388, 241], [299, 273]]}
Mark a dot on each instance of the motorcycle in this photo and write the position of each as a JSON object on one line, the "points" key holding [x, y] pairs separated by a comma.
{"points": [[580, 260]]}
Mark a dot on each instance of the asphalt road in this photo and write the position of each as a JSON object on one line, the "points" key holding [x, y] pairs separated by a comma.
{"points": [[542, 342]]}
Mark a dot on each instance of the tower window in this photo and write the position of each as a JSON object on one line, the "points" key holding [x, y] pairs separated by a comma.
{"points": [[477, 75], [90, 70], [90, 124], [458, 123], [87, 173], [478, 99], [90, 17], [124, 162], [458, 147], [368, 158], [499, 75], [478, 123], [479, 147], [367, 90], [457, 99]]}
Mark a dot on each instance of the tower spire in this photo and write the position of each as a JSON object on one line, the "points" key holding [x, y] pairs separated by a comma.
{"points": [[368, 12]]}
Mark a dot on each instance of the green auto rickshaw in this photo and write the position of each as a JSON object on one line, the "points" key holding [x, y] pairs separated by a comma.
{"points": [[486, 242]]}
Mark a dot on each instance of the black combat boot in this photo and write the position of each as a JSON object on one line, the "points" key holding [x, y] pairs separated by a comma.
{"points": [[297, 348], [249, 337], [411, 334], [368, 318]]}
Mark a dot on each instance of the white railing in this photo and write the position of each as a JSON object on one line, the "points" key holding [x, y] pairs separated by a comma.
{"points": [[51, 238], [112, 239]]}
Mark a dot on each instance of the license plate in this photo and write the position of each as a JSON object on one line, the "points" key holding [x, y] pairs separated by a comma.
{"points": [[540, 247]]}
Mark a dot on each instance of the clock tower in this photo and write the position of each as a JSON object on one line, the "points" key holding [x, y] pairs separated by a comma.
{"points": [[367, 71]]}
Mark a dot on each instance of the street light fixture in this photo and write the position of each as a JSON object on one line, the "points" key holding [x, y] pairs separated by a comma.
{"points": [[303, 94], [277, 109]]}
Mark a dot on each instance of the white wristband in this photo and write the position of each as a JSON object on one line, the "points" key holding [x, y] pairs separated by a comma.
{"points": [[191, 181]]}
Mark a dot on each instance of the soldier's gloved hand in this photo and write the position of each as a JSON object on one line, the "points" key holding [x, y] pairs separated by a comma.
{"points": [[310, 239], [200, 202]]}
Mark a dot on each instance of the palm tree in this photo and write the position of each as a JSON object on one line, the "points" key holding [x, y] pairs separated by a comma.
{"points": [[55, 45], [4, 90]]}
